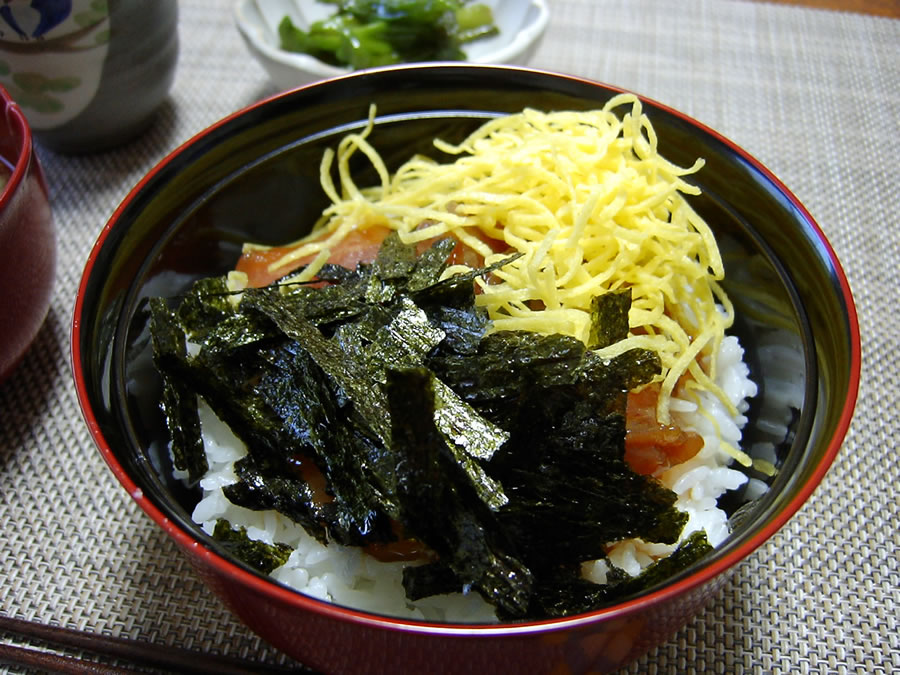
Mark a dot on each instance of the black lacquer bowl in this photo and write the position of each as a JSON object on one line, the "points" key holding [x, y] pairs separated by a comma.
{"points": [[254, 176]]}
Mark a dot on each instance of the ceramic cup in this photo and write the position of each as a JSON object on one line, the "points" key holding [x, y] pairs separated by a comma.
{"points": [[27, 241], [89, 74]]}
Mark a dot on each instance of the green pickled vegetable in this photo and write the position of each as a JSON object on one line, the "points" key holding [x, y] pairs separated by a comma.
{"points": [[369, 33]]}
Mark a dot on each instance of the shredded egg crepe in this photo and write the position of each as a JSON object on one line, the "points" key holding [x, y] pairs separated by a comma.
{"points": [[588, 200]]}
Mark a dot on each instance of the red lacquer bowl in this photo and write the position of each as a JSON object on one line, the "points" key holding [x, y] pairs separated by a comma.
{"points": [[254, 176], [27, 239]]}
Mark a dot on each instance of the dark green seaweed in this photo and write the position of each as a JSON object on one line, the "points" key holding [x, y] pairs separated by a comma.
{"points": [[204, 307], [562, 591], [503, 453], [422, 581], [440, 504], [259, 489], [571, 492], [609, 318], [258, 554], [179, 398]]}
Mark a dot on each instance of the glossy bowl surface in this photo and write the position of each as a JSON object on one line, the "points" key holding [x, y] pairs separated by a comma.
{"points": [[254, 176], [521, 22], [27, 238]]}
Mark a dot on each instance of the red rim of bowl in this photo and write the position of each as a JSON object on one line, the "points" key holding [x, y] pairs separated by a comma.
{"points": [[288, 596], [18, 121]]}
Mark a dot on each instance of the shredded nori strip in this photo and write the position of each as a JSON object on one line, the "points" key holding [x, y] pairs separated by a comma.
{"points": [[563, 468], [441, 506], [259, 489], [204, 307], [609, 318], [258, 554], [563, 591], [179, 398], [503, 452], [422, 581]]}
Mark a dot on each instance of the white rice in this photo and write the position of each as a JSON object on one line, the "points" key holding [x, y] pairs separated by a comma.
{"points": [[349, 577]]}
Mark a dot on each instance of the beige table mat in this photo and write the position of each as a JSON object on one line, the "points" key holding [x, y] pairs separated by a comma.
{"points": [[815, 95]]}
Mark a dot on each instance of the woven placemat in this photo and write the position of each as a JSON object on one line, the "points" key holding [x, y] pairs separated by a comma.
{"points": [[813, 94]]}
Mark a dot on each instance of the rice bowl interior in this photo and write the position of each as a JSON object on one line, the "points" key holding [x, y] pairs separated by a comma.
{"points": [[712, 410], [341, 575]]}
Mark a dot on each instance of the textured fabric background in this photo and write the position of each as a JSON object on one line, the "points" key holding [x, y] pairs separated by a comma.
{"points": [[815, 95]]}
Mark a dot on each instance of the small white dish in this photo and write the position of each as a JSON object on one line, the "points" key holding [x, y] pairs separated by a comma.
{"points": [[521, 22]]}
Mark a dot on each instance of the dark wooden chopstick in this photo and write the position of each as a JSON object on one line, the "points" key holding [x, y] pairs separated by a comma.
{"points": [[175, 659], [55, 663]]}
